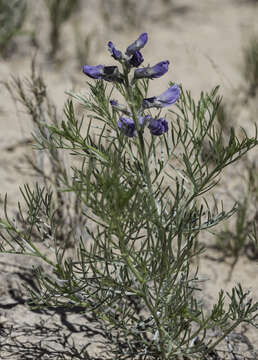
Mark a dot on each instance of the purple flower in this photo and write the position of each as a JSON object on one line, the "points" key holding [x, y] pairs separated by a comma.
{"points": [[108, 73], [136, 59], [167, 98], [158, 126], [132, 56], [153, 72], [117, 54], [95, 72], [137, 45], [127, 125], [114, 103]]}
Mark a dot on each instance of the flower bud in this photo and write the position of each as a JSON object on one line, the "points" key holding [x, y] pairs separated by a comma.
{"points": [[108, 73], [158, 126], [137, 45], [153, 72], [167, 98]]}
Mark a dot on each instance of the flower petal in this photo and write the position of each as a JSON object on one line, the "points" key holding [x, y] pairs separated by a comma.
{"points": [[153, 72], [117, 54], [95, 72], [137, 45], [108, 73], [127, 126], [167, 98], [136, 59], [158, 126]]}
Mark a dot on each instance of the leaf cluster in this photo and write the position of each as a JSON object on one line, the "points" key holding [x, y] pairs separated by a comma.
{"points": [[146, 205], [47, 163]]}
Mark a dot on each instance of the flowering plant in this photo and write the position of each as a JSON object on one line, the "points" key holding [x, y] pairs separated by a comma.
{"points": [[144, 199]]}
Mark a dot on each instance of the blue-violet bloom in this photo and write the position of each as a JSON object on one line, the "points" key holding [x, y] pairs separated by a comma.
{"points": [[137, 45], [167, 98], [158, 126], [127, 125], [132, 57], [136, 59], [153, 72], [95, 72], [117, 54], [108, 73], [114, 103]]}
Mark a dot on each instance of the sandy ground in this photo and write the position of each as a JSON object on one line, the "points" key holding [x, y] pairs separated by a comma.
{"points": [[204, 42]]}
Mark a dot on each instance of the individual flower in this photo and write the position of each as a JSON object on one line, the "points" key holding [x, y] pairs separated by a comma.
{"points": [[132, 56], [137, 45], [153, 72], [119, 107], [114, 103], [127, 125], [167, 98], [95, 72], [158, 126], [136, 59], [108, 73], [117, 54]]}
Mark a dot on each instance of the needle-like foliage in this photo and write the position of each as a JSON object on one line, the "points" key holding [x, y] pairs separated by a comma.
{"points": [[144, 183]]}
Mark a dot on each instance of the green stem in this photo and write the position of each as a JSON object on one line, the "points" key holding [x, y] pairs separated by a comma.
{"points": [[140, 134], [142, 149], [210, 348], [34, 250]]}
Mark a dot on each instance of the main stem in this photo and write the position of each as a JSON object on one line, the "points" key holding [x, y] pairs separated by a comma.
{"points": [[128, 89], [147, 178]]}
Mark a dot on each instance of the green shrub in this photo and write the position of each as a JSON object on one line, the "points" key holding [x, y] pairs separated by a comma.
{"points": [[12, 16], [145, 186]]}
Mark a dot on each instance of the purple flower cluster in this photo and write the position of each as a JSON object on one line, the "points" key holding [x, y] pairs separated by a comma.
{"points": [[132, 57], [156, 126]]}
